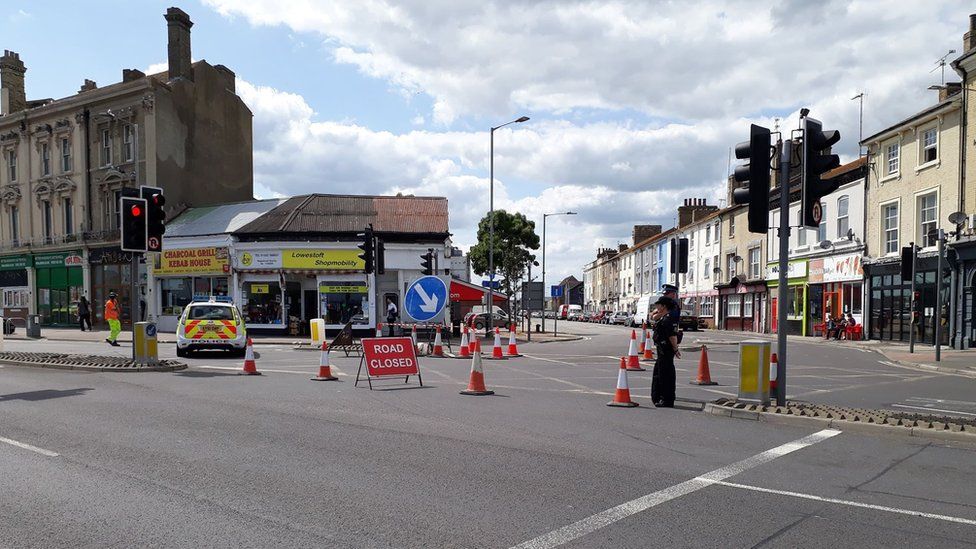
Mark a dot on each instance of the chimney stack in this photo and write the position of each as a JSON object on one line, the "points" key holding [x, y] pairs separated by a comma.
{"points": [[12, 70], [128, 75], [89, 85], [969, 39], [693, 210], [643, 232], [178, 48]]}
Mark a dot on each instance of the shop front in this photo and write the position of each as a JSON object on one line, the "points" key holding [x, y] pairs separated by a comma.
{"points": [[701, 304], [797, 321], [110, 272], [836, 288], [742, 306], [889, 307], [59, 280], [15, 286], [188, 274]]}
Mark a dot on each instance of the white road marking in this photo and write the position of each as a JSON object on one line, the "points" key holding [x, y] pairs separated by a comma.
{"points": [[25, 446], [849, 503], [603, 519], [927, 409], [335, 371], [941, 401]]}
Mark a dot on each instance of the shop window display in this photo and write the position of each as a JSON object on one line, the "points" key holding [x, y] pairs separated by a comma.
{"points": [[262, 302], [342, 302]]}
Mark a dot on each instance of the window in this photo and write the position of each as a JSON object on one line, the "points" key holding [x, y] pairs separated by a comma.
{"points": [[113, 209], [707, 305], [11, 166], [891, 157], [754, 257], [708, 234], [48, 221], [45, 159], [801, 236], [731, 226], [65, 155], [927, 210], [14, 225], [127, 143], [730, 265], [889, 217], [843, 221], [175, 293], [691, 241], [691, 272], [735, 306], [795, 305], [68, 218], [707, 270], [262, 303], [852, 297], [344, 301], [715, 264], [106, 147], [747, 306], [930, 145], [822, 228]]}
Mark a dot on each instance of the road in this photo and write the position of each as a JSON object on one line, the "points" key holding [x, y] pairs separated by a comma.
{"points": [[204, 457]]}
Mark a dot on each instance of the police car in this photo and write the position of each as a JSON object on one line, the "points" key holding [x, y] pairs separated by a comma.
{"points": [[212, 324]]}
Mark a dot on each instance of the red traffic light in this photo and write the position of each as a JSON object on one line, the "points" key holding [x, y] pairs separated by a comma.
{"points": [[136, 211]]}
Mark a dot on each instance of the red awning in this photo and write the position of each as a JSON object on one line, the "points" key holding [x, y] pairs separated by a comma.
{"points": [[464, 291]]}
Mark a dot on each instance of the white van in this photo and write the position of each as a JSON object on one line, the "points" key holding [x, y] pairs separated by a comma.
{"points": [[644, 306], [566, 312]]}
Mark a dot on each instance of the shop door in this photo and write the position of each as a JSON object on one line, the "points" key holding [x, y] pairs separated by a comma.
{"points": [[59, 306], [773, 314], [310, 305]]}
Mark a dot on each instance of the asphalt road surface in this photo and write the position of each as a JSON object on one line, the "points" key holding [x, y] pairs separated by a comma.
{"points": [[206, 458]]}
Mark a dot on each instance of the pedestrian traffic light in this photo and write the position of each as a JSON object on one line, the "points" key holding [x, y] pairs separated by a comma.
{"points": [[133, 224], [427, 265], [755, 175], [679, 255], [156, 217], [816, 161], [367, 247]]}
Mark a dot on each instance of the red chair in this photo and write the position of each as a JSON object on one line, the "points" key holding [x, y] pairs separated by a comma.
{"points": [[856, 332], [818, 329]]}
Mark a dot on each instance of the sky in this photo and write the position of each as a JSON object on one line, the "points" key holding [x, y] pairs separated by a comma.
{"points": [[633, 106]]}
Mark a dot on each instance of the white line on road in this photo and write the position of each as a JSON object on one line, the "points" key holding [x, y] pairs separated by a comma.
{"points": [[849, 503], [41, 451], [335, 371], [600, 520], [933, 409]]}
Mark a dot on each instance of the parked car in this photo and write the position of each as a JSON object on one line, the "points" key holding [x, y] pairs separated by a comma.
{"points": [[690, 322], [211, 324], [621, 317], [478, 321]]}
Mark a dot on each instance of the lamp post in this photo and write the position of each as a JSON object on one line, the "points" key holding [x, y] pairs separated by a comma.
{"points": [[544, 217], [489, 307]]}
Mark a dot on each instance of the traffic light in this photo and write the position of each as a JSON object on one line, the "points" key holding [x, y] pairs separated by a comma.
{"points": [[816, 162], [679, 255], [427, 264], [906, 263], [380, 257], [755, 174], [156, 218], [368, 249], [133, 224]]}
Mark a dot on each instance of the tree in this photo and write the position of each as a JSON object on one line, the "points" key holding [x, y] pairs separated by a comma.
{"points": [[514, 238]]}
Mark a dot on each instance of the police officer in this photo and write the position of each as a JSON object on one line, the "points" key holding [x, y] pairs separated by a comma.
{"points": [[666, 341]]}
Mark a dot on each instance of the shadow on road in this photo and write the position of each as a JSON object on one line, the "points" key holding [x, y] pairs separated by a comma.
{"points": [[45, 394], [205, 373]]}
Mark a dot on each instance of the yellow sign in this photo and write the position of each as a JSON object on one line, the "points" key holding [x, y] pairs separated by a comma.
{"points": [[260, 288], [342, 289], [193, 261], [341, 260]]}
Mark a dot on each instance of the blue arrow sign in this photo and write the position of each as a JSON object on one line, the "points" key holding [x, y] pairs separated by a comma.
{"points": [[425, 298]]}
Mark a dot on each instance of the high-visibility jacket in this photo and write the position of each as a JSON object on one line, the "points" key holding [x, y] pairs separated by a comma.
{"points": [[111, 310]]}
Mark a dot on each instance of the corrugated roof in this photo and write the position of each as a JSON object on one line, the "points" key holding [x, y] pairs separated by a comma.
{"points": [[329, 213], [222, 219]]}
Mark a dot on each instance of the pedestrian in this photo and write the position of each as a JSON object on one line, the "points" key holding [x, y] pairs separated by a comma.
{"points": [[392, 313], [112, 317], [84, 313], [666, 340]]}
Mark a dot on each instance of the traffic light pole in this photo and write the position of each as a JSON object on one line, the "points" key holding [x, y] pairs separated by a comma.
{"points": [[786, 154], [134, 265]]}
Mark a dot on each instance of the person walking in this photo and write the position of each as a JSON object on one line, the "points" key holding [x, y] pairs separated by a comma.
{"points": [[84, 313], [112, 317], [392, 313], [666, 340]]}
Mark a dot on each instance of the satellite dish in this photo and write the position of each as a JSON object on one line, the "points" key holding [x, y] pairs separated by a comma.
{"points": [[957, 218], [826, 244]]}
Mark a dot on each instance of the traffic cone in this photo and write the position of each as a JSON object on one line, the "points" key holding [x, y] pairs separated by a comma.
{"points": [[465, 345], [496, 348], [438, 345], [379, 329], [773, 364], [633, 362], [250, 366], [704, 377], [642, 340], [512, 344], [476, 383], [622, 397], [649, 349], [325, 371]]}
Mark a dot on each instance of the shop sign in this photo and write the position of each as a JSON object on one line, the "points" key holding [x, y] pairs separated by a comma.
{"points": [[331, 289], [260, 288], [844, 267], [63, 259], [816, 270], [796, 269], [192, 261], [14, 262], [259, 259], [346, 260], [109, 256]]}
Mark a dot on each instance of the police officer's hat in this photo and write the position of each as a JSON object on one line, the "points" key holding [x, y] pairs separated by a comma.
{"points": [[669, 288], [668, 303], [113, 294]]}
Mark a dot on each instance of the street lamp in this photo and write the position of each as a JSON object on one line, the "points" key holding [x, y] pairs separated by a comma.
{"points": [[489, 308], [544, 217]]}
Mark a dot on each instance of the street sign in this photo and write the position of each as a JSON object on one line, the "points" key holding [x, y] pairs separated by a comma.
{"points": [[494, 284], [388, 356], [425, 299], [556, 291], [532, 296]]}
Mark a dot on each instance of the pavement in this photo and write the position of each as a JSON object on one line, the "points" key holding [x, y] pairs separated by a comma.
{"points": [[203, 457]]}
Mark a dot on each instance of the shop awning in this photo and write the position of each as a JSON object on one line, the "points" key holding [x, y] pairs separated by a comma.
{"points": [[465, 291]]}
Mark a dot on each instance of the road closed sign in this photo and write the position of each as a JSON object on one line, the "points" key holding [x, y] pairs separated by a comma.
{"points": [[390, 356]]}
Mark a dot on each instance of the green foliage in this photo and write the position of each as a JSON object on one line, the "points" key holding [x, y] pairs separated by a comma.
{"points": [[514, 238]]}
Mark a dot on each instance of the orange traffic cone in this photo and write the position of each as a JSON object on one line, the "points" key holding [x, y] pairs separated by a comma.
{"points": [[496, 348], [704, 377], [773, 364], [476, 383], [649, 349], [465, 345], [642, 341], [622, 397], [512, 344], [250, 366], [438, 344], [325, 371], [633, 361]]}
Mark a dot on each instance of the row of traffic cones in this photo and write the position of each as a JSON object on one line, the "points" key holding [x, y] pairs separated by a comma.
{"points": [[468, 343], [621, 397]]}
